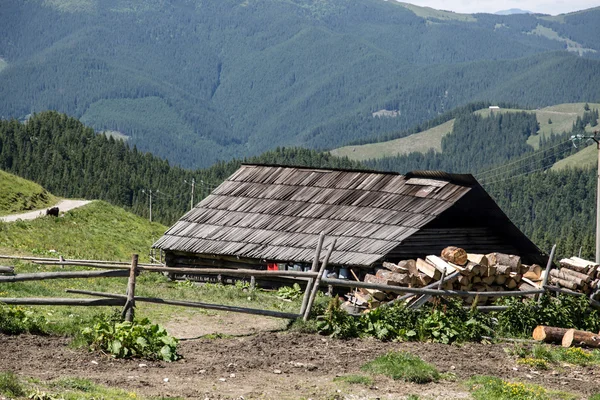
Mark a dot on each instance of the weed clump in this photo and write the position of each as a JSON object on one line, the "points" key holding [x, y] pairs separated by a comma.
{"points": [[404, 366]]}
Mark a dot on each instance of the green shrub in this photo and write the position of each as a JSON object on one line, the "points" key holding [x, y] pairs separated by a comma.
{"points": [[290, 293], [138, 339], [10, 385], [405, 366], [337, 322], [17, 320], [355, 379]]}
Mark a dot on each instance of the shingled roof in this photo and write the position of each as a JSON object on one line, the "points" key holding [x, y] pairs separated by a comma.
{"points": [[277, 212]]}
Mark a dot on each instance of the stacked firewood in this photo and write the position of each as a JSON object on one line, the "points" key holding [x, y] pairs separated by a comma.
{"points": [[491, 272], [576, 274]]}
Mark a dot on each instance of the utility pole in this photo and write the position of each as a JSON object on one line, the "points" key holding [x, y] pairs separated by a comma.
{"points": [[193, 186], [149, 194], [596, 139]]}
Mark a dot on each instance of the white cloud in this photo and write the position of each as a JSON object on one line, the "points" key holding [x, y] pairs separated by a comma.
{"points": [[490, 6]]}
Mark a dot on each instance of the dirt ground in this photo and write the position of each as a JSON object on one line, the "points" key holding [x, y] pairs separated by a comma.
{"points": [[269, 364]]}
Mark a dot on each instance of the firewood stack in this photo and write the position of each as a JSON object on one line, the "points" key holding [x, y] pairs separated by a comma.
{"points": [[576, 274], [477, 272]]}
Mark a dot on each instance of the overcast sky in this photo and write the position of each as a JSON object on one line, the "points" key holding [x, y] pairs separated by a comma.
{"points": [[491, 6]]}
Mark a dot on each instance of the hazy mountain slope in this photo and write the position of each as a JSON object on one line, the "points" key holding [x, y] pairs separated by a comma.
{"points": [[197, 81]]}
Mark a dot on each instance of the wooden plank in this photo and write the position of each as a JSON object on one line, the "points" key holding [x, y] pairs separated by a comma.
{"points": [[31, 301], [41, 276], [315, 289], [192, 304], [313, 269]]}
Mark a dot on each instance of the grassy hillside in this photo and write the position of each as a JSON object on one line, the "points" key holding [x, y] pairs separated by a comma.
{"points": [[587, 157], [553, 119], [96, 231], [19, 195], [420, 142], [197, 82]]}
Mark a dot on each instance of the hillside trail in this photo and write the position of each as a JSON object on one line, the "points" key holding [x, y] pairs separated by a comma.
{"points": [[63, 206]]}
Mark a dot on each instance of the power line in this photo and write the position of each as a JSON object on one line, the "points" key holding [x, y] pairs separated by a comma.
{"points": [[534, 154], [533, 163]]}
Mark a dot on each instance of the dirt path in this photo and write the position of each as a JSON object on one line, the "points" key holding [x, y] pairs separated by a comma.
{"points": [[63, 206], [280, 365]]}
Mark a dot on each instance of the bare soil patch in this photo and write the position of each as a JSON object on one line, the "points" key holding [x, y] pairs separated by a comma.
{"points": [[280, 365]]}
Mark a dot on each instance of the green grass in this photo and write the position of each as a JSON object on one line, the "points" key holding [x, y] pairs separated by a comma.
{"points": [[355, 379], [595, 397], [541, 356], [96, 231], [63, 389], [20, 195], [419, 142], [487, 387], [403, 366], [549, 33], [3, 64], [428, 12], [10, 385], [587, 157]]}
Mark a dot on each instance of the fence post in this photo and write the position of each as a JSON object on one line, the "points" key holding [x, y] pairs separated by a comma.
{"points": [[128, 310], [315, 289], [548, 267], [315, 265]]}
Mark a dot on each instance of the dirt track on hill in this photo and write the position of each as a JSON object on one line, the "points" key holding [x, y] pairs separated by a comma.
{"points": [[279, 366], [63, 206]]}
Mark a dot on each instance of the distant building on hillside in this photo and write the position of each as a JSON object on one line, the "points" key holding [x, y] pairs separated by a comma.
{"points": [[494, 107], [265, 214]]}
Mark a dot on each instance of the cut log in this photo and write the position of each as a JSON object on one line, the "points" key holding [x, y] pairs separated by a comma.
{"points": [[505, 259], [562, 275], [583, 261], [488, 280], [475, 280], [440, 264], [490, 270], [574, 265], [480, 259], [394, 267], [471, 269], [402, 279], [379, 281], [503, 269], [563, 283], [428, 269], [581, 338], [376, 294], [584, 277], [516, 277], [530, 282], [501, 279], [411, 266], [455, 255], [464, 280], [534, 272], [549, 334], [510, 283]]}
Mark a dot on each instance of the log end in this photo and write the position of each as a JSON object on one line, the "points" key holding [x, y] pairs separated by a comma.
{"points": [[539, 333], [568, 338]]}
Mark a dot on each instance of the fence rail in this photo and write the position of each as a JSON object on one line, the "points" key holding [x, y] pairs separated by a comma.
{"points": [[314, 279]]}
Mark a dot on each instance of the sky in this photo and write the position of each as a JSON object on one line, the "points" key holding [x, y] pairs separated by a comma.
{"points": [[491, 6]]}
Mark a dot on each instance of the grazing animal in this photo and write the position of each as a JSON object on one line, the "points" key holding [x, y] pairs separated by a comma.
{"points": [[52, 211]]}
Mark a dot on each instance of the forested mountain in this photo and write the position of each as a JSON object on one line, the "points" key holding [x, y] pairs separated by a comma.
{"points": [[71, 160], [196, 81]]}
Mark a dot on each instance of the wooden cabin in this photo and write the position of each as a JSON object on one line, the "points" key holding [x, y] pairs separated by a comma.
{"points": [[274, 214]]}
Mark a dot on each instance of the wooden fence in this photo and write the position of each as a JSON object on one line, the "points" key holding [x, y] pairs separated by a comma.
{"points": [[314, 279]]}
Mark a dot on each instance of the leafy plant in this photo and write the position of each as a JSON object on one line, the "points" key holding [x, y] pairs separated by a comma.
{"points": [[125, 339], [290, 293], [336, 322], [402, 365], [17, 320], [10, 385]]}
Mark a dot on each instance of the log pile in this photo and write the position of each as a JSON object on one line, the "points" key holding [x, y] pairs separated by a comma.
{"points": [[491, 272], [576, 274], [566, 337]]}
